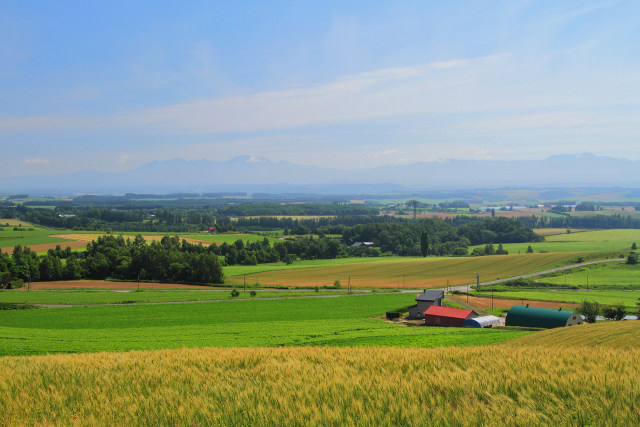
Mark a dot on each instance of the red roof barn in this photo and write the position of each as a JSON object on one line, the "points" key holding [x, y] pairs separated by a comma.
{"points": [[447, 316]]}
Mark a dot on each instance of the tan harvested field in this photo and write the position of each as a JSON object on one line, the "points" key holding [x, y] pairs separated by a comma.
{"points": [[44, 247], [14, 222], [421, 273], [89, 237], [484, 303], [496, 385], [618, 335], [106, 285]]}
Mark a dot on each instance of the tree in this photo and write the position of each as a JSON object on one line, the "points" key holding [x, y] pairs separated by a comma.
{"points": [[590, 311], [529, 249], [632, 258], [424, 244], [501, 250], [616, 312], [235, 293], [489, 250], [634, 246]]}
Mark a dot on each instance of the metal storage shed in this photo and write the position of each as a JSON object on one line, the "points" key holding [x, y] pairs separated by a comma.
{"points": [[482, 322], [535, 317]]}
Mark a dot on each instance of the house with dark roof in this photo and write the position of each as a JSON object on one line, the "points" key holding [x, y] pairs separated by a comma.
{"points": [[363, 245], [447, 316], [426, 299]]}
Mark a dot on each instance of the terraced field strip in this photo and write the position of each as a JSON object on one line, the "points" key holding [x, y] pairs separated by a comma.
{"points": [[421, 273], [499, 385], [553, 231]]}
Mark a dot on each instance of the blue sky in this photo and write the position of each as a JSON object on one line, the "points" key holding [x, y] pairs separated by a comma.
{"points": [[110, 85]]}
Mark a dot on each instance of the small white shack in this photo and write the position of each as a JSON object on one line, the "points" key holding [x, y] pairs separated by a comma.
{"points": [[482, 322]]}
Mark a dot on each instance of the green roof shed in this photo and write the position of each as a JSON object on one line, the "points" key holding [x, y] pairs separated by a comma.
{"points": [[535, 317]]}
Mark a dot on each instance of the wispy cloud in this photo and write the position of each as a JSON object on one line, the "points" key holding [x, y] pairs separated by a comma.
{"points": [[37, 161]]}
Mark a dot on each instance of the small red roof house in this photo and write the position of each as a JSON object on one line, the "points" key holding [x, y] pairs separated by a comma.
{"points": [[447, 316]]}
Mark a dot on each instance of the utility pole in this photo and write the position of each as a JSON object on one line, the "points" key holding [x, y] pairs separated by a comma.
{"points": [[244, 284], [477, 281]]}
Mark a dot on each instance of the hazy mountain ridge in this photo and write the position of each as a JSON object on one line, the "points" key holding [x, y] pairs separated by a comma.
{"points": [[250, 174]]}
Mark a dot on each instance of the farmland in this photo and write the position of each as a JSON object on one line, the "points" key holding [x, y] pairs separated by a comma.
{"points": [[587, 241], [146, 296], [505, 385], [601, 276], [608, 297], [342, 321], [429, 272]]}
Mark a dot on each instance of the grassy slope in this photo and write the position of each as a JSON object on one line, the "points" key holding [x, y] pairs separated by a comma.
{"points": [[418, 272], [503, 385], [343, 321], [617, 335]]}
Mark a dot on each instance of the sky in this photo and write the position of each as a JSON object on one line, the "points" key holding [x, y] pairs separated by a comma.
{"points": [[111, 85]]}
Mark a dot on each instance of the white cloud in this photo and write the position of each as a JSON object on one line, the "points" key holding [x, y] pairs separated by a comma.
{"points": [[37, 161], [123, 159]]}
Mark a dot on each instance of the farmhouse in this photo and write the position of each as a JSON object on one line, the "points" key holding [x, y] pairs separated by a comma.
{"points": [[447, 316], [535, 317], [425, 300], [482, 322], [362, 244]]}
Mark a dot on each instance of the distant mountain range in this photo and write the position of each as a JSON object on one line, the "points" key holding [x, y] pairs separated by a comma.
{"points": [[249, 174]]}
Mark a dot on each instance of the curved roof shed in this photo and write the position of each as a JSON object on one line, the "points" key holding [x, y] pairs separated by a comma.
{"points": [[535, 317], [482, 322]]}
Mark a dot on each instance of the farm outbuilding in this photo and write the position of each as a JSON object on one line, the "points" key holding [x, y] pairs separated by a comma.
{"points": [[426, 299], [447, 316], [535, 317], [482, 322]]}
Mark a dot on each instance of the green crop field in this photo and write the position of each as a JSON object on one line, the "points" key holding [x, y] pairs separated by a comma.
{"points": [[342, 321], [608, 297], [413, 272], [25, 236], [607, 275], [64, 297], [586, 241]]}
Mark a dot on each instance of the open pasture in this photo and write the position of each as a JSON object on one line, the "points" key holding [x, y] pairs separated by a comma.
{"points": [[156, 295], [608, 297], [586, 241], [106, 285], [497, 385], [552, 231], [606, 275], [414, 273], [14, 223], [341, 321]]}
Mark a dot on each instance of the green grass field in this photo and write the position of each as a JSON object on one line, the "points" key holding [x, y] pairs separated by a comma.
{"points": [[26, 235], [343, 321], [608, 297], [607, 275], [413, 272], [64, 297], [586, 241]]}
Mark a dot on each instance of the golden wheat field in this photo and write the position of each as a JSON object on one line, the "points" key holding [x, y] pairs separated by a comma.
{"points": [[496, 385]]}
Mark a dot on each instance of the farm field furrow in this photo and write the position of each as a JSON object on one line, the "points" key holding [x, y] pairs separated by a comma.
{"points": [[342, 321], [429, 272], [498, 385]]}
